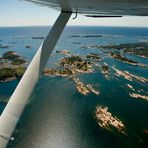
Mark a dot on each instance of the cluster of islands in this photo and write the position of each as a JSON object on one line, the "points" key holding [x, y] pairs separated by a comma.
{"points": [[13, 66], [129, 76], [121, 53], [27, 46], [118, 52]]}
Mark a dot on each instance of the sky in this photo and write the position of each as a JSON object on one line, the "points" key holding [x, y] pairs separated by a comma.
{"points": [[23, 13]]}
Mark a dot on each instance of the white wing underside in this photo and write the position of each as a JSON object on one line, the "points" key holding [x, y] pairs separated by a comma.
{"points": [[99, 7]]}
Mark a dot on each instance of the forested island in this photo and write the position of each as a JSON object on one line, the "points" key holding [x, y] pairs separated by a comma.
{"points": [[69, 67], [12, 66]]}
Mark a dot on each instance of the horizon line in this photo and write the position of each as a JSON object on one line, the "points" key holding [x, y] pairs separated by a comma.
{"points": [[74, 26]]}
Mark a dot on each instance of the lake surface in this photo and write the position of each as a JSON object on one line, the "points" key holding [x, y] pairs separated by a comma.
{"points": [[57, 115]]}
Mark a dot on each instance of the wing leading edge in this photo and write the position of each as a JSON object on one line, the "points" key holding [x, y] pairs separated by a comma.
{"points": [[100, 7]]}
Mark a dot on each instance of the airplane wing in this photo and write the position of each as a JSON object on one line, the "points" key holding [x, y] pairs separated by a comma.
{"points": [[99, 7]]}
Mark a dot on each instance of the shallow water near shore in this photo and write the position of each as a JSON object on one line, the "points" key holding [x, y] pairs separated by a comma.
{"points": [[57, 115]]}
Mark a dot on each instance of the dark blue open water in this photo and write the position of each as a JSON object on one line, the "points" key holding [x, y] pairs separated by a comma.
{"points": [[57, 115]]}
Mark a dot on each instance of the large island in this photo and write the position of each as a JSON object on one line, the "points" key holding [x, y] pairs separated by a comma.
{"points": [[12, 66], [69, 67]]}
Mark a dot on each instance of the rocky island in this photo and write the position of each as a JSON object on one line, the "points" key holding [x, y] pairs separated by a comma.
{"points": [[84, 89], [4, 46], [129, 76], [65, 52], [139, 96], [106, 120], [94, 56]]}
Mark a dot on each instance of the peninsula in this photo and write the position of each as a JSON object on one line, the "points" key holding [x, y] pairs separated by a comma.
{"points": [[140, 48]]}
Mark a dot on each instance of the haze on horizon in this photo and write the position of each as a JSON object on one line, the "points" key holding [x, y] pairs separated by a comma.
{"points": [[23, 13]]}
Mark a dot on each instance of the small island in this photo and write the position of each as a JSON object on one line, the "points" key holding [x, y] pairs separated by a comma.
{"points": [[78, 43], [128, 76], [105, 69], [94, 56], [65, 52], [37, 37], [92, 36], [139, 96], [84, 89], [4, 46], [27, 46]]}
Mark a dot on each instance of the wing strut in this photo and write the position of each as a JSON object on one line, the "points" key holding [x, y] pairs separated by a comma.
{"points": [[18, 100]]}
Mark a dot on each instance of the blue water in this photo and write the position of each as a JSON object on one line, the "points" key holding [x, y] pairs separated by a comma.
{"points": [[57, 115]]}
